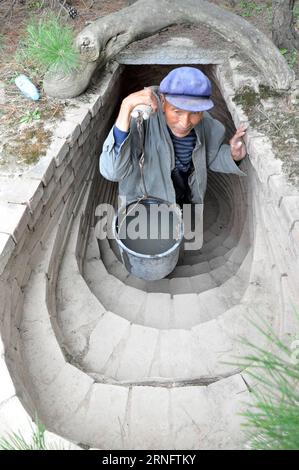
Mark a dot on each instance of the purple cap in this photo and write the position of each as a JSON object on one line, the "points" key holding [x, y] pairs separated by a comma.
{"points": [[187, 88]]}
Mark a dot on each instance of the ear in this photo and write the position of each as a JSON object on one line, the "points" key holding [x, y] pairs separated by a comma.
{"points": [[162, 98]]}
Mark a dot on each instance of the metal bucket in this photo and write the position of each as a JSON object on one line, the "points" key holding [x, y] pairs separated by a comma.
{"points": [[152, 255]]}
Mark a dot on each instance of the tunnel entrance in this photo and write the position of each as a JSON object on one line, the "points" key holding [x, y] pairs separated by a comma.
{"points": [[136, 77], [225, 207], [90, 346]]}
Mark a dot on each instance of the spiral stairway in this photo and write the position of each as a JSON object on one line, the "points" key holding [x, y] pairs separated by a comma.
{"points": [[147, 362], [109, 361]]}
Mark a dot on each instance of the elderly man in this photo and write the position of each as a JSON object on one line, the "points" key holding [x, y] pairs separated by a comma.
{"points": [[181, 141]]}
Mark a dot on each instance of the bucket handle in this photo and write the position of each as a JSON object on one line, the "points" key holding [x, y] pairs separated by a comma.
{"points": [[139, 116], [139, 122]]}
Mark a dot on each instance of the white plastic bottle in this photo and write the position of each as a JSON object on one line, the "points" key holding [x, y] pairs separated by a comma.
{"points": [[27, 88]]}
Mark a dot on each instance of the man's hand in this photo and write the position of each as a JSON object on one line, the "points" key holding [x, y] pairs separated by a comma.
{"points": [[237, 146], [145, 96]]}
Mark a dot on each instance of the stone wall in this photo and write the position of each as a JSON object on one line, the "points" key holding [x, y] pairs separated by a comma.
{"points": [[31, 206]]}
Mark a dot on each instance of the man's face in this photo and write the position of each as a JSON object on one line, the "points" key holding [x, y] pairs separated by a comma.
{"points": [[180, 122]]}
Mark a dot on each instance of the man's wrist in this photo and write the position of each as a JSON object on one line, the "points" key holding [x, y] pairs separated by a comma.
{"points": [[126, 108], [124, 118]]}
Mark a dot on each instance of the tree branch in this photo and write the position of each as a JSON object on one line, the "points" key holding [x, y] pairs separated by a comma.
{"points": [[102, 40]]}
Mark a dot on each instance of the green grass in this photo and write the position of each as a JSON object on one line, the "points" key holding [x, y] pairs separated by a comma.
{"points": [[16, 441], [49, 44], [249, 9], [30, 116], [35, 5], [272, 421], [290, 56]]}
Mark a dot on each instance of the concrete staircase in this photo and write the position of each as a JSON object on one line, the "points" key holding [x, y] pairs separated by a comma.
{"points": [[100, 350], [107, 360]]}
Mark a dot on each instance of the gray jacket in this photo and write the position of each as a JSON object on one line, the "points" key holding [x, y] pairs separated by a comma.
{"points": [[159, 158]]}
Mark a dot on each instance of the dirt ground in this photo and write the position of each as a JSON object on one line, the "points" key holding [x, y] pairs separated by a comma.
{"points": [[22, 143]]}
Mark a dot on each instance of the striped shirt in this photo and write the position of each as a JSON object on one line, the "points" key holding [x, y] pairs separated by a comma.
{"points": [[183, 149]]}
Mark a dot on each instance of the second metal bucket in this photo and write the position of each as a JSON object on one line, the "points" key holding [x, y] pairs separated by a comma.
{"points": [[155, 254]]}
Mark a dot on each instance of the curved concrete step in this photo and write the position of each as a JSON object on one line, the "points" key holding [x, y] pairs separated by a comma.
{"points": [[141, 306], [222, 236], [73, 405], [211, 211], [102, 379], [189, 279], [132, 364], [214, 224], [70, 403], [216, 246], [220, 249], [190, 263], [123, 351]]}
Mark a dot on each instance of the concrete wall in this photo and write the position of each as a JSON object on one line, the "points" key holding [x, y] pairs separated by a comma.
{"points": [[30, 209], [34, 202]]}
